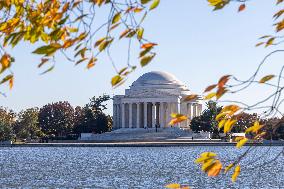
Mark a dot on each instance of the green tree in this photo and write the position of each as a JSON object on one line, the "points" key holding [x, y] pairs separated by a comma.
{"points": [[56, 118], [91, 118], [27, 125], [7, 119], [206, 121]]}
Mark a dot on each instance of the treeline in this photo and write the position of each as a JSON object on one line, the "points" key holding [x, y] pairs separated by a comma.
{"points": [[55, 121], [273, 127]]}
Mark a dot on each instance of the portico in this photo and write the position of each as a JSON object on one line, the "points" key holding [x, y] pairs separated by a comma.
{"points": [[150, 100]]}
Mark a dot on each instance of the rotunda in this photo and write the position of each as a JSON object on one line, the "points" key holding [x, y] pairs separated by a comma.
{"points": [[150, 100]]}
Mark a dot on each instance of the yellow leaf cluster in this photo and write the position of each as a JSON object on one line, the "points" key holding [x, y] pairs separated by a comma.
{"points": [[218, 4], [255, 128], [209, 164], [226, 117], [236, 173], [241, 142], [177, 118]]}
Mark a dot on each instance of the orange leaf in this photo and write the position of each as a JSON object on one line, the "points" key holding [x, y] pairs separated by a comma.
{"points": [[91, 63], [223, 80], [148, 45], [11, 82], [124, 33], [215, 170], [242, 7], [190, 97], [209, 88], [220, 92]]}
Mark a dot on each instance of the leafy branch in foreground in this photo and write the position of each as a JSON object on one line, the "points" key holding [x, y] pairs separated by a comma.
{"points": [[233, 110], [56, 26]]}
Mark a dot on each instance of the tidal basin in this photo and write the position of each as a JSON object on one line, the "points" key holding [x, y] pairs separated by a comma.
{"points": [[133, 167]]}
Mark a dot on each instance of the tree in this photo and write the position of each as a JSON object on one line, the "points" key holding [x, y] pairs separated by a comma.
{"points": [[274, 128], [206, 121], [7, 119], [56, 118], [91, 118], [27, 125], [244, 121]]}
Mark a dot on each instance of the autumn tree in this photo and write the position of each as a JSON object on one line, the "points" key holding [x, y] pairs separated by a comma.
{"points": [[244, 120], [56, 118]]}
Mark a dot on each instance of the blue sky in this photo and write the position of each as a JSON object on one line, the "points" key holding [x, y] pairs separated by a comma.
{"points": [[195, 44]]}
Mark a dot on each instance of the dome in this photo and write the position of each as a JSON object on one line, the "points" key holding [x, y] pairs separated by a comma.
{"points": [[157, 79]]}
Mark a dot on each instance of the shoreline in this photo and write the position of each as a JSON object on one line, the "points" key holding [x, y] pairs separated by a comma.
{"points": [[138, 144]]}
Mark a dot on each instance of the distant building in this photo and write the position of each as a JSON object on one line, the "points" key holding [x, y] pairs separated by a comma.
{"points": [[150, 100]]}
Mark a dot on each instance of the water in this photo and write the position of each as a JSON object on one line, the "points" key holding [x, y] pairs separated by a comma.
{"points": [[142, 167]]}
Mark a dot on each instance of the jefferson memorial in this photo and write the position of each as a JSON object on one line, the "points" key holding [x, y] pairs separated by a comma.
{"points": [[150, 100]]}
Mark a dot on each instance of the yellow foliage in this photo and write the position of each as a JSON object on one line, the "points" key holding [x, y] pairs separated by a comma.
{"points": [[173, 186], [210, 164], [215, 170], [221, 123], [266, 78], [209, 96], [236, 173], [231, 109], [229, 124], [241, 142], [190, 97], [255, 128], [220, 115], [177, 118]]}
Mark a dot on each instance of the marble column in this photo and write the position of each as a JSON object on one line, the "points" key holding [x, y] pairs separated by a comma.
{"points": [[130, 115], [175, 107], [119, 115], [114, 116], [157, 114], [194, 110], [183, 110], [189, 112], [161, 120], [123, 115], [199, 109], [153, 115], [145, 114], [168, 109], [137, 116]]}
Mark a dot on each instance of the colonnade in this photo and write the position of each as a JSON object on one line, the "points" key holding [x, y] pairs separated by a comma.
{"points": [[151, 114]]}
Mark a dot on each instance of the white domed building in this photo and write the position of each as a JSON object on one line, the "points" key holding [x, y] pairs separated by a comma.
{"points": [[150, 100]]}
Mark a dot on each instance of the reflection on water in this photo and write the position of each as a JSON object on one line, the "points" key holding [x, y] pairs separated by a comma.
{"points": [[142, 167]]}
